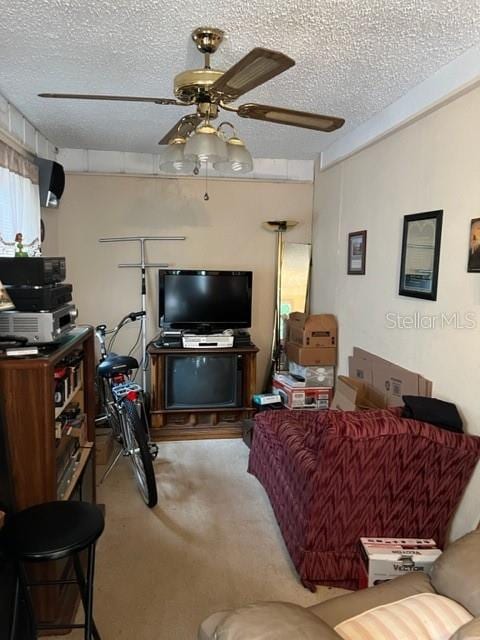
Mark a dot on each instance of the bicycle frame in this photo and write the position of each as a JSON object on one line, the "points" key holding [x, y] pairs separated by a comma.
{"points": [[120, 395]]}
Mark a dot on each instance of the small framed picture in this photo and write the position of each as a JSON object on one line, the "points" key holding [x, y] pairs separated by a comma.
{"points": [[357, 252], [474, 247], [421, 255]]}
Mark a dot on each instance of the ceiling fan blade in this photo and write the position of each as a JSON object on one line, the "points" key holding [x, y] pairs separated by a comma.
{"points": [[183, 127], [257, 67], [88, 96], [289, 116]]}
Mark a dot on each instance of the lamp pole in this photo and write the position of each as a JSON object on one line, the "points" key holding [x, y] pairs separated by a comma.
{"points": [[280, 227]]}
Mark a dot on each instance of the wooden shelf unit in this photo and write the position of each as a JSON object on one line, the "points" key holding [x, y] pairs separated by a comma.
{"points": [[193, 422], [27, 387], [84, 457], [71, 395]]}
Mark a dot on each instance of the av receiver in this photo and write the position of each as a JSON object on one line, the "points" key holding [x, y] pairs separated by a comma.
{"points": [[41, 327]]}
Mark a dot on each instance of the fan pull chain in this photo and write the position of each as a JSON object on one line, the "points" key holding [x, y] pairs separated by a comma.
{"points": [[206, 196]]}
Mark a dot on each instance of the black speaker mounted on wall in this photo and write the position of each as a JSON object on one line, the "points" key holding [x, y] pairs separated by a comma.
{"points": [[51, 178]]}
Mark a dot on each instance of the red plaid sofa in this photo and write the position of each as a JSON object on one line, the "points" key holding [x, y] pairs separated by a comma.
{"points": [[334, 476]]}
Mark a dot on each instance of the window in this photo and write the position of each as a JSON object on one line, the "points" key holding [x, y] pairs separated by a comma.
{"points": [[19, 204]]}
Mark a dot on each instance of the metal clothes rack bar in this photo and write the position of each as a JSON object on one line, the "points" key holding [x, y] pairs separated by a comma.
{"points": [[143, 266]]}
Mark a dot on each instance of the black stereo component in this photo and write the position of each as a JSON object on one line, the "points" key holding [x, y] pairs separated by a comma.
{"points": [[168, 343], [241, 339], [32, 271], [40, 298]]}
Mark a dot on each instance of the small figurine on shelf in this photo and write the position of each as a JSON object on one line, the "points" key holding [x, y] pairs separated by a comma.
{"points": [[20, 248]]}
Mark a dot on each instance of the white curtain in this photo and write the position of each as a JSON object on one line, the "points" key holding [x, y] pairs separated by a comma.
{"points": [[19, 202]]}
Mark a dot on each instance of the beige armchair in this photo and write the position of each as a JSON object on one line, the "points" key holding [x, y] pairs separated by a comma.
{"points": [[455, 575]]}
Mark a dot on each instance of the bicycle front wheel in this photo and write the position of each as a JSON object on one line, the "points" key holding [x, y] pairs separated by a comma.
{"points": [[140, 454]]}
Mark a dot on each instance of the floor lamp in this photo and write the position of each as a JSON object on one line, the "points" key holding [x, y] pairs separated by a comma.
{"points": [[280, 227]]}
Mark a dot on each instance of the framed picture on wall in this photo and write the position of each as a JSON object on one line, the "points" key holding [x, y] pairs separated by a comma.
{"points": [[357, 253], [421, 255], [474, 247]]}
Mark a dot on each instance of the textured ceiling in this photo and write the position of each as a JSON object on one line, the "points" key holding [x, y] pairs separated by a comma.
{"points": [[353, 58]]}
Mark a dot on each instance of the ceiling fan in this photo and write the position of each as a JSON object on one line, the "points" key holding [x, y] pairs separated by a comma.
{"points": [[211, 90]]}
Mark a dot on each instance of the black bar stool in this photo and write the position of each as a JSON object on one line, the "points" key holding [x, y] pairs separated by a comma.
{"points": [[52, 531]]}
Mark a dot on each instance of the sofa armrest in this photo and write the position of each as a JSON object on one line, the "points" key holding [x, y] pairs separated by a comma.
{"points": [[274, 421], [279, 620], [206, 631], [455, 573], [336, 610], [469, 631]]}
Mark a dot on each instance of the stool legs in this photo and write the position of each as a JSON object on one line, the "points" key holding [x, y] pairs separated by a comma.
{"points": [[22, 592], [85, 586], [89, 594], [86, 590], [16, 598]]}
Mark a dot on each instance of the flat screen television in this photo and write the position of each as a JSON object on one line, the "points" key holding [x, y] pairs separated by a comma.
{"points": [[206, 301]]}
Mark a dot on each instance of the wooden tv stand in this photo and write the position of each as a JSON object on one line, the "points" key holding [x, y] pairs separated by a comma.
{"points": [[197, 423]]}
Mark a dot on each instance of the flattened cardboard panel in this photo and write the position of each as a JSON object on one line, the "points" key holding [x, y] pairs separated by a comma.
{"points": [[387, 378]]}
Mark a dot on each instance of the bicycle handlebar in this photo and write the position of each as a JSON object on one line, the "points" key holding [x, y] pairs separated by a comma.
{"points": [[101, 331], [134, 315]]}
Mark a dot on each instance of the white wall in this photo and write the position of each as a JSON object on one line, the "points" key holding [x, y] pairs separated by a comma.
{"points": [[433, 163], [15, 128], [223, 233], [95, 161]]}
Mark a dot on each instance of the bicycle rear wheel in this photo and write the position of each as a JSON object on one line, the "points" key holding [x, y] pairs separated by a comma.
{"points": [[140, 453]]}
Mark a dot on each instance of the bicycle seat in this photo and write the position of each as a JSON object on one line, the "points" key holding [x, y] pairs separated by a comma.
{"points": [[116, 364]]}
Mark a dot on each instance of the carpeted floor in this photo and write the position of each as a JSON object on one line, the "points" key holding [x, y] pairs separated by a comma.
{"points": [[211, 543]]}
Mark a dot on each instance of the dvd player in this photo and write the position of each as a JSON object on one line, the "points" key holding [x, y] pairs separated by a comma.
{"points": [[212, 341]]}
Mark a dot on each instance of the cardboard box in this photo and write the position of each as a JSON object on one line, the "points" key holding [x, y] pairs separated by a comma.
{"points": [[303, 398], [387, 378], [386, 558], [312, 330], [353, 395], [309, 356], [314, 376], [103, 446]]}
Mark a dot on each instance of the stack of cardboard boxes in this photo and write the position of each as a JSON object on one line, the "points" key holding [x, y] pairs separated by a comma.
{"points": [[312, 353]]}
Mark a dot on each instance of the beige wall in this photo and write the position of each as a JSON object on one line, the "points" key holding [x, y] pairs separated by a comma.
{"points": [[432, 164], [223, 233]]}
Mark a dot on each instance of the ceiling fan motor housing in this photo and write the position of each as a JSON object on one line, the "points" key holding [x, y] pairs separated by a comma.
{"points": [[191, 85]]}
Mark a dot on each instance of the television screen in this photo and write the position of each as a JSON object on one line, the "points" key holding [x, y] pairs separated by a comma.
{"points": [[202, 381], [211, 299]]}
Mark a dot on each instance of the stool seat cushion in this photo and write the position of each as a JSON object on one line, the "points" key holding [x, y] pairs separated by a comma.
{"points": [[52, 530]]}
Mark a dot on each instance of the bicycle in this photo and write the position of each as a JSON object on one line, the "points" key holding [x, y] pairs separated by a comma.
{"points": [[123, 405]]}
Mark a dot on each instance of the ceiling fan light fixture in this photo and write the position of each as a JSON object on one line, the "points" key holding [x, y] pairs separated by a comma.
{"points": [[173, 158], [205, 145], [239, 159]]}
